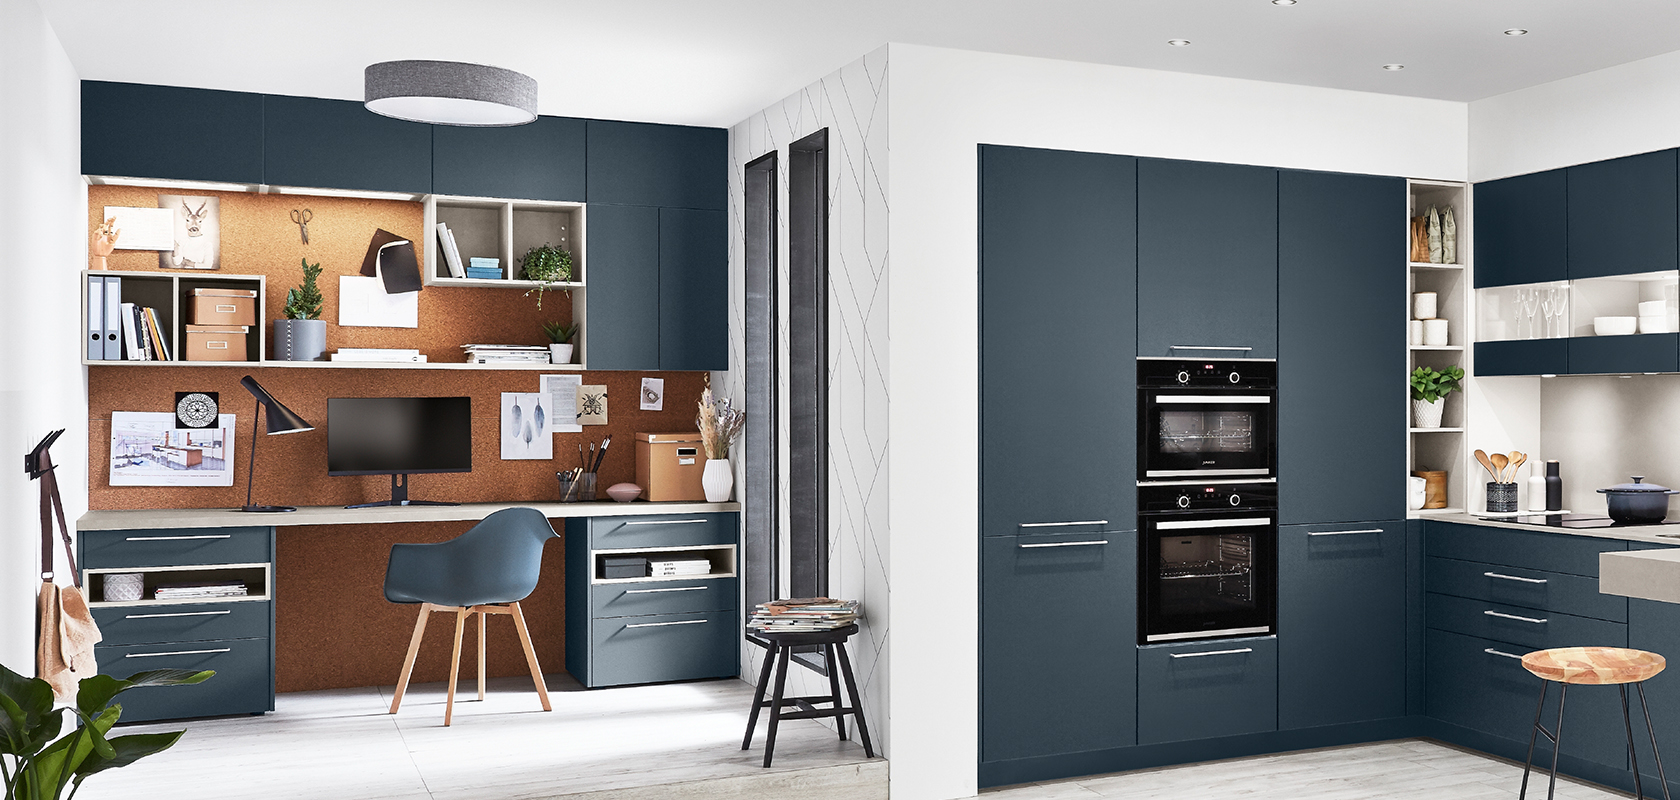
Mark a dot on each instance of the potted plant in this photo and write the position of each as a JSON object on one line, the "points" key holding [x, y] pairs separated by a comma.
{"points": [[547, 265], [1430, 388], [302, 335], [719, 422], [37, 764], [560, 336]]}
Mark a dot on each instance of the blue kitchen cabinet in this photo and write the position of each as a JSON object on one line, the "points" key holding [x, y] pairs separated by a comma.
{"points": [[1341, 623], [1523, 357], [1205, 690], [1058, 429], [338, 144], [1624, 217], [674, 166], [136, 130], [540, 161], [1655, 626], [623, 330], [1522, 229], [1207, 260], [693, 289], [1338, 351], [1621, 355]]}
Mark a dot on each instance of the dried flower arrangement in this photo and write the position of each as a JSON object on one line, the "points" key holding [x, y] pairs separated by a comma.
{"points": [[720, 422]]}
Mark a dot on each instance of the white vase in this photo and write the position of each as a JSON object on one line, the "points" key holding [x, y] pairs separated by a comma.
{"points": [[717, 479], [560, 354], [1426, 414]]}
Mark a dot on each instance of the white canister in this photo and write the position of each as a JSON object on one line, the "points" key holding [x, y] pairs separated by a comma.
{"points": [[1653, 308], [1536, 489], [1435, 332], [1423, 305], [1415, 492], [124, 587], [1414, 332]]}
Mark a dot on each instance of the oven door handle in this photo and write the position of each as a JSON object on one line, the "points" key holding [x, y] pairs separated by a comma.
{"points": [[1185, 524], [1212, 399]]}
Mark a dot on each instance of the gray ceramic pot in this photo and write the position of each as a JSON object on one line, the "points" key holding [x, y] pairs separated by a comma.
{"points": [[1638, 501], [300, 339]]}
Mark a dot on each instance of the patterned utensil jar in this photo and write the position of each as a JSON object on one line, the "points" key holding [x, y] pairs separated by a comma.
{"points": [[1501, 498]]}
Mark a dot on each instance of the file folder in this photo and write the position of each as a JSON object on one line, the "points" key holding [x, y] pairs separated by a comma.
{"points": [[96, 318], [113, 319]]}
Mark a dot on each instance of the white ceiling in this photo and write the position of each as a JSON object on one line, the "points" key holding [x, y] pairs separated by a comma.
{"points": [[714, 62]]}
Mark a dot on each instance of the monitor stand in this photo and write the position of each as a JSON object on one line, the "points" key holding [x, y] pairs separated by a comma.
{"points": [[399, 496]]}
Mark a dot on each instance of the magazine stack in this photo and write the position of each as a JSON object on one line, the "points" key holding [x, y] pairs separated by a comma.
{"points": [[803, 615]]}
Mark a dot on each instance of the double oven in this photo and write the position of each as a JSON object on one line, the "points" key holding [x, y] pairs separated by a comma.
{"points": [[1207, 498]]}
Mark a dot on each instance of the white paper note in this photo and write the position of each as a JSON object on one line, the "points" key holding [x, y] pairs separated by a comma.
{"points": [[362, 302], [562, 390], [143, 228], [653, 394]]}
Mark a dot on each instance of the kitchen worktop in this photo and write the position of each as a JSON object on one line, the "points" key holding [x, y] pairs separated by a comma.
{"points": [[1665, 534]]}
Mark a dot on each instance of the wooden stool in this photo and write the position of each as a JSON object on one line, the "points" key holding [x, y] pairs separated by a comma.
{"points": [[1593, 665], [834, 645]]}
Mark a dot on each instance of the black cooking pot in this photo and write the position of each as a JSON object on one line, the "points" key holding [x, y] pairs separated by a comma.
{"points": [[1638, 502]]}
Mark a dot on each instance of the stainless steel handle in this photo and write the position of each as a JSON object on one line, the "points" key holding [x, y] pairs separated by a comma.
{"points": [[1207, 347], [1181, 525], [1213, 653], [1344, 533], [667, 522], [1211, 399], [663, 624], [1063, 544], [1062, 524], [1514, 578], [179, 614], [673, 589], [1492, 652], [179, 538], [1492, 613], [180, 653]]}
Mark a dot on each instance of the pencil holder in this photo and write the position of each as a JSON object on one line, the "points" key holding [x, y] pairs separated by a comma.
{"points": [[1501, 498]]}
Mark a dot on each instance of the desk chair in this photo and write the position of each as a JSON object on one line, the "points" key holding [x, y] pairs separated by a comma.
{"points": [[486, 570]]}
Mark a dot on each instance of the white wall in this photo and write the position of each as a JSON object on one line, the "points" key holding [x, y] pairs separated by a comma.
{"points": [[42, 383], [943, 104]]}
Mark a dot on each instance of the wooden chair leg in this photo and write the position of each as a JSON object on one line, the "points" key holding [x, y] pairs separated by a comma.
{"points": [[413, 650], [530, 656], [758, 694], [857, 699], [455, 665], [481, 617]]}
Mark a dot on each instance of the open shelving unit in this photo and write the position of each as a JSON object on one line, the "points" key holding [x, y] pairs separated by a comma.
{"points": [[1441, 448], [721, 556], [258, 580], [164, 291]]}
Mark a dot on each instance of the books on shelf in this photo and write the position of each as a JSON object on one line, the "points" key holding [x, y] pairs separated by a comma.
{"points": [[505, 354], [194, 591], [484, 268], [379, 354], [687, 566], [451, 253], [804, 614], [141, 335]]}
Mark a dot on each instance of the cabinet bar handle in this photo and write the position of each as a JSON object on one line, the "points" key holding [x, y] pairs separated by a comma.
{"points": [[1492, 652], [1183, 525], [1062, 524], [663, 624], [1344, 533], [667, 522], [673, 589], [1062, 544], [179, 614], [1206, 347], [1492, 613], [179, 538], [1213, 653], [180, 653], [1514, 578], [1211, 399]]}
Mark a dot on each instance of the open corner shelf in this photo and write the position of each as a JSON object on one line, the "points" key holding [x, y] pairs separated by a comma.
{"points": [[1436, 430], [1427, 265]]}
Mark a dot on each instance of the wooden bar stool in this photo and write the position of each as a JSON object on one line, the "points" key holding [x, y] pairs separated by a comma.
{"points": [[834, 646], [1593, 665]]}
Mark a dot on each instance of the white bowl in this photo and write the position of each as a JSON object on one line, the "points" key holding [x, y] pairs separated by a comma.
{"points": [[1656, 324], [1653, 308], [1615, 326]]}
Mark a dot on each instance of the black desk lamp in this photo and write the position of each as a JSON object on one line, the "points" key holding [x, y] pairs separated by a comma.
{"points": [[280, 420]]}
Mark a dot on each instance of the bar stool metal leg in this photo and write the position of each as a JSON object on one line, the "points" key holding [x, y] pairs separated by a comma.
{"points": [[1650, 731], [1533, 733], [857, 701], [776, 705], [1557, 741], [1633, 758], [758, 695], [834, 689]]}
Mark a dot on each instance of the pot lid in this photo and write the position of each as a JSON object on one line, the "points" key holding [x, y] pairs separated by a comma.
{"points": [[1638, 486]]}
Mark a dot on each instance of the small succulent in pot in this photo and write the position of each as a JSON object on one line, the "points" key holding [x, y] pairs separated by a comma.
{"points": [[547, 265], [559, 333]]}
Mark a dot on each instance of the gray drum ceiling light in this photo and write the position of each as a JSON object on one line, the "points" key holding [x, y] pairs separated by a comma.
{"points": [[450, 93]]}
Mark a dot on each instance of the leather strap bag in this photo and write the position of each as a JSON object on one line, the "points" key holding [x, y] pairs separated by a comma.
{"points": [[67, 633]]}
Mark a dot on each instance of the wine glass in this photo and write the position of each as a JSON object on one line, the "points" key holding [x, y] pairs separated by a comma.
{"points": [[1563, 311], [1546, 303], [1531, 302]]}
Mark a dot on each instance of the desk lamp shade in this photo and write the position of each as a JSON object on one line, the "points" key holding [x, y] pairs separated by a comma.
{"points": [[280, 420], [450, 93]]}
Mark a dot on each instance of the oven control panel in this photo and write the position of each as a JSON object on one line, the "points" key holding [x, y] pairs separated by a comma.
{"points": [[1206, 497], [1207, 374]]}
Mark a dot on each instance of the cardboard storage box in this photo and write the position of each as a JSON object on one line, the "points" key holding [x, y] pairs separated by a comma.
{"points": [[222, 307], [669, 465], [216, 343]]}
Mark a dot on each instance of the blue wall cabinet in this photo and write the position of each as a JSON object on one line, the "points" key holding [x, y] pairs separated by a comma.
{"points": [[540, 161], [623, 287], [1624, 216], [338, 144], [1339, 354], [693, 289], [1522, 230], [1342, 623], [1058, 391], [1523, 357], [140, 131], [1613, 355], [1204, 690], [1207, 259], [636, 163]]}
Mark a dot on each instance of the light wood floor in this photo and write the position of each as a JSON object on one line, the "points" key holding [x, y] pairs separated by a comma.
{"points": [[633, 742], [1409, 769]]}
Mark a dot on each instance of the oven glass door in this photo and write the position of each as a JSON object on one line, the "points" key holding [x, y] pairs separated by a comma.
{"points": [[1208, 575], [1190, 434]]}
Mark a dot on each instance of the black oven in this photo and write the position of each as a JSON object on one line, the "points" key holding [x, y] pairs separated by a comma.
{"points": [[1207, 419], [1207, 561]]}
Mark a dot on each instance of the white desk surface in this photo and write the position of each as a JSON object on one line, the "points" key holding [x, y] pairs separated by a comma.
{"points": [[338, 515]]}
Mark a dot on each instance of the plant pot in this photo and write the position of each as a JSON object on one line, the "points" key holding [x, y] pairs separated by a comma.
{"points": [[1427, 414], [717, 479], [560, 353], [299, 339]]}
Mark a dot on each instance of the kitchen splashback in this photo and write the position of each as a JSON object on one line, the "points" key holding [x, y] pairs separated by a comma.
{"points": [[1604, 429]]}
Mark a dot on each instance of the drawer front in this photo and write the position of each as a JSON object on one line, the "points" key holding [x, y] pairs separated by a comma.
{"points": [[182, 623], [1525, 628], [663, 597], [243, 683], [1528, 588], [669, 530], [667, 647], [175, 547], [1552, 552], [1204, 690]]}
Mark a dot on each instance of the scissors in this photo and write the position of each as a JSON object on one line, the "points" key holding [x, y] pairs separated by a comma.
{"points": [[301, 219]]}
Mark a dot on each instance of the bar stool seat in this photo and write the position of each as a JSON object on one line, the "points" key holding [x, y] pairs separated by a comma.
{"points": [[833, 643], [1594, 665]]}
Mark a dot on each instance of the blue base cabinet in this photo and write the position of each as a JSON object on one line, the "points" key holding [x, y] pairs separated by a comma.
{"points": [[1207, 690], [1655, 626]]}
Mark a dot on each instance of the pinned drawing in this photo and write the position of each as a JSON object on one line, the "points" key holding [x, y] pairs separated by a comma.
{"points": [[198, 232], [148, 450], [592, 405], [527, 426], [653, 394]]}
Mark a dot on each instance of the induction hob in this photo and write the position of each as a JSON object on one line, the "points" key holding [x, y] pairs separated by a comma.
{"points": [[1575, 521]]}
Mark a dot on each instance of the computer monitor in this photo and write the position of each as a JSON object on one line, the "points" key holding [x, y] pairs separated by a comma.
{"points": [[398, 436]]}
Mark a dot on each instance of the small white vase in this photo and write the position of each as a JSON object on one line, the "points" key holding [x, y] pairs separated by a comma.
{"points": [[717, 479], [1426, 414], [560, 354]]}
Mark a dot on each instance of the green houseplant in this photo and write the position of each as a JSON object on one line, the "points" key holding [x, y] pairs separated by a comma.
{"points": [[302, 335], [1430, 388], [547, 265], [560, 338], [37, 765]]}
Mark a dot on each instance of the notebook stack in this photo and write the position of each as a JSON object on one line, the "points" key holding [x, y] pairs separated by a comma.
{"points": [[484, 268], [505, 354], [804, 615], [196, 591], [681, 567]]}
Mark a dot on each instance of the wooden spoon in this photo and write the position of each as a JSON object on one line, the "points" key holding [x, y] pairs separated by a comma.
{"points": [[1518, 458], [1483, 457], [1500, 462]]}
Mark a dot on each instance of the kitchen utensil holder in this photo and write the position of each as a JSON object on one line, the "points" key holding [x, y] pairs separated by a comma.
{"points": [[576, 490], [1501, 498]]}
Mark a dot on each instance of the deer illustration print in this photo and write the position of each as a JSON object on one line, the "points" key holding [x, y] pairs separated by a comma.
{"points": [[194, 252]]}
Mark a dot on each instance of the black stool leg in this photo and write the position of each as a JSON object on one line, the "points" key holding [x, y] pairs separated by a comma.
{"points": [[857, 700], [1633, 758], [1557, 740], [834, 690], [1646, 710], [776, 705], [1533, 732], [758, 695]]}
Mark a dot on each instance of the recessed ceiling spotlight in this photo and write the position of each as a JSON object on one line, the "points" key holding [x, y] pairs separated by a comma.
{"points": [[1394, 67], [1283, 2], [1179, 42], [1517, 32]]}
